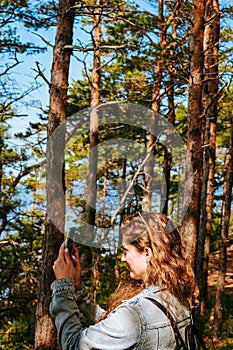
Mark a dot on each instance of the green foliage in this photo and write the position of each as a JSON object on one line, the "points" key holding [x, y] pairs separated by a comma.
{"points": [[20, 256], [224, 121], [225, 341], [108, 280], [79, 96], [18, 334], [21, 238], [228, 316]]}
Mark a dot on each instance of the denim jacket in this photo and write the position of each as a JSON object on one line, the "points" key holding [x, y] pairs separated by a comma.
{"points": [[136, 324]]}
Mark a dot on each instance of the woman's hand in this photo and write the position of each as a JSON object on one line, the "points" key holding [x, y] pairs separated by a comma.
{"points": [[67, 266]]}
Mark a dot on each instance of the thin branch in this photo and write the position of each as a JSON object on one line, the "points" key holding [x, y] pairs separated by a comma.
{"points": [[104, 47], [25, 172], [10, 67], [135, 26], [107, 63], [118, 209], [41, 74], [27, 92], [85, 69], [9, 242], [21, 47], [82, 6], [218, 93], [43, 39]]}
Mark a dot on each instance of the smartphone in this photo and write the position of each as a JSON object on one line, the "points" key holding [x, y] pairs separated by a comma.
{"points": [[68, 244]]}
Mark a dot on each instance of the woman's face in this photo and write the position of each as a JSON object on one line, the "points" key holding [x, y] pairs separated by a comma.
{"points": [[136, 261]]}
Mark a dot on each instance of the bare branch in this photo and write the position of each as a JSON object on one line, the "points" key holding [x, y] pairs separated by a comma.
{"points": [[43, 39], [118, 209], [10, 67], [41, 74], [25, 172], [91, 6], [9, 242], [16, 99], [104, 47]]}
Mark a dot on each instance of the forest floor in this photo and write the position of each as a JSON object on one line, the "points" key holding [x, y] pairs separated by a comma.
{"points": [[226, 341]]}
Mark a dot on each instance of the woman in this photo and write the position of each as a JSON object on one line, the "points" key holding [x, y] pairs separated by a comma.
{"points": [[154, 254]]}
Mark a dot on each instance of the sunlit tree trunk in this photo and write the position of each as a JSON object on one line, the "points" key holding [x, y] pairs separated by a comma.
{"points": [[45, 334], [171, 118], [226, 213], [155, 106], [195, 110], [210, 105], [171, 75], [3, 219], [94, 129], [91, 187]]}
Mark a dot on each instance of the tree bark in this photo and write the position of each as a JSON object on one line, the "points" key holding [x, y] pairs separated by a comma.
{"points": [[45, 333], [210, 105], [226, 213], [91, 186], [171, 118], [190, 223], [94, 129], [149, 168]]}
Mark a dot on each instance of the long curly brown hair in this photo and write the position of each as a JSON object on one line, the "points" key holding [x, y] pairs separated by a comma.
{"points": [[167, 265]]}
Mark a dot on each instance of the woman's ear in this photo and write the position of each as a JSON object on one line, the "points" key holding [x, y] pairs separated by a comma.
{"points": [[147, 252]]}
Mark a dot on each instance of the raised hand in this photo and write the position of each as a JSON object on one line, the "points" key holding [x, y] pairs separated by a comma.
{"points": [[68, 266]]}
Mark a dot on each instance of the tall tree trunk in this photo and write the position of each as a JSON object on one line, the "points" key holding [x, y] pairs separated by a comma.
{"points": [[3, 223], [210, 105], [91, 188], [45, 334], [190, 224], [171, 74], [94, 129], [149, 169], [171, 118], [226, 213]]}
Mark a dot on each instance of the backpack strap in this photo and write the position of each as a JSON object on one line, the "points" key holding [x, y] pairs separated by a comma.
{"points": [[172, 321], [193, 338]]}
